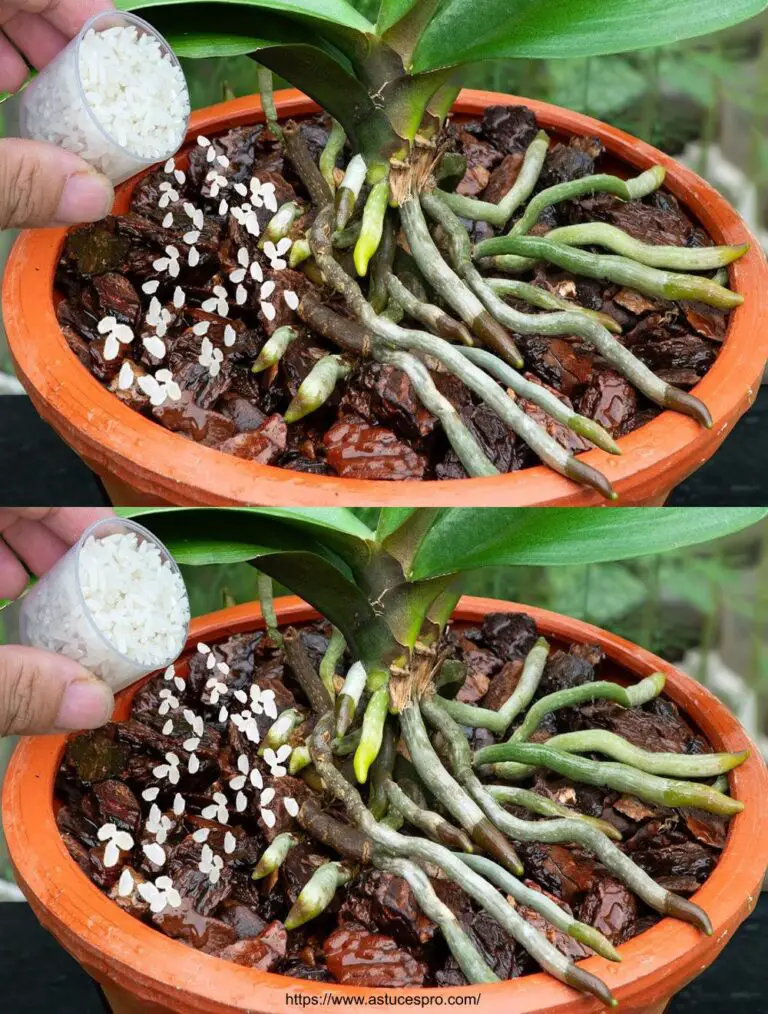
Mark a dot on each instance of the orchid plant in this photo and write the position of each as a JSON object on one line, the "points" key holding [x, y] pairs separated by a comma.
{"points": [[389, 87], [389, 591]]}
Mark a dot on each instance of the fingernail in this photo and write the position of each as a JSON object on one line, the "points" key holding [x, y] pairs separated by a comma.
{"points": [[86, 704], [87, 197]]}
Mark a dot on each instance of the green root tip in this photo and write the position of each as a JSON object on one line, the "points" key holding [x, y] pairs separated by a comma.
{"points": [[295, 918], [595, 433]]}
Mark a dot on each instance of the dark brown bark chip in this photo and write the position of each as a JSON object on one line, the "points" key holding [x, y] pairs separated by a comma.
{"points": [[204, 426], [359, 451], [611, 908], [610, 400], [503, 178], [503, 685], [263, 445], [201, 932], [564, 671], [358, 958], [511, 129], [117, 805], [509, 635]]}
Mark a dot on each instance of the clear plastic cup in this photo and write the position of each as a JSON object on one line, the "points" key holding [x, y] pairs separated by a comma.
{"points": [[54, 106], [54, 615]]}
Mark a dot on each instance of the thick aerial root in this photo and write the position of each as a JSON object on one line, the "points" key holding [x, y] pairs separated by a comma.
{"points": [[468, 450], [508, 795], [450, 287], [333, 148], [499, 214], [450, 794], [620, 777], [333, 655], [317, 387], [628, 190], [279, 733], [267, 96], [671, 765], [547, 401], [427, 852], [672, 258], [274, 348], [348, 841], [346, 333], [280, 224], [381, 265], [315, 691], [274, 856], [634, 696], [553, 324], [349, 190], [372, 733], [547, 908], [317, 894], [545, 300], [349, 697], [461, 947], [499, 721], [381, 771], [401, 339], [609, 268], [305, 166], [549, 831], [372, 228], [431, 316], [431, 823]]}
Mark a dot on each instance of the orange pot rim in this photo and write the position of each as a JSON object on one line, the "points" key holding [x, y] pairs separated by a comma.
{"points": [[116, 947], [143, 454]]}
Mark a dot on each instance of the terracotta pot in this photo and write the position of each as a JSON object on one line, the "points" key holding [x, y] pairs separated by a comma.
{"points": [[141, 463], [144, 972]]}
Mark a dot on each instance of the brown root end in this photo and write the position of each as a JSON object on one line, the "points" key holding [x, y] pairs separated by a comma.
{"points": [[686, 911], [585, 982], [453, 838], [453, 331], [689, 405], [492, 334], [491, 840], [589, 476]]}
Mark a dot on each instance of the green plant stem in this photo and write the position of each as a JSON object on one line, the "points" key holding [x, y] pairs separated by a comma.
{"points": [[317, 894], [423, 851], [267, 95], [509, 795], [349, 697], [317, 387], [544, 905], [674, 258], [274, 856], [609, 268], [373, 730], [621, 777], [557, 831], [499, 214], [267, 603], [499, 721], [347, 841], [461, 947], [274, 348], [450, 794], [544, 398], [451, 288], [673, 765], [333, 654], [628, 190], [431, 823], [333, 148], [545, 300], [468, 450], [431, 316]]}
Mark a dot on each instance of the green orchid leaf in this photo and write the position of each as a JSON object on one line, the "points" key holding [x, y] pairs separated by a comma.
{"points": [[392, 11], [319, 519], [390, 519], [473, 30], [334, 12], [464, 539], [401, 24]]}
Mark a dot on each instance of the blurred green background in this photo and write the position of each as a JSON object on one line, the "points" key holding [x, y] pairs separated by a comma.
{"points": [[705, 609], [704, 101]]}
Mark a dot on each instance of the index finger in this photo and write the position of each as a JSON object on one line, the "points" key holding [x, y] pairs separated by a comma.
{"points": [[68, 16], [69, 523]]}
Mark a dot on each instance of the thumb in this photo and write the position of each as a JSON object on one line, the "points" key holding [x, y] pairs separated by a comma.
{"points": [[44, 692], [42, 185]]}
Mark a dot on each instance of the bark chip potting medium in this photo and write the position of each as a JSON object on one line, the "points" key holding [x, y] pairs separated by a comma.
{"points": [[116, 96], [115, 603]]}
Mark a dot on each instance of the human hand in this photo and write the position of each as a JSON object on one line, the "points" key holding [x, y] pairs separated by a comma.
{"points": [[39, 690], [41, 184]]}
